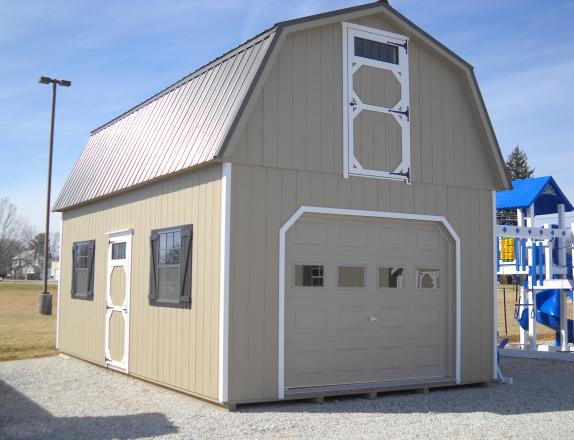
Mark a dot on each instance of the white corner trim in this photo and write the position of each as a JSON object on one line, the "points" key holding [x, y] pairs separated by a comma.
{"points": [[494, 292], [224, 282], [59, 287], [360, 213]]}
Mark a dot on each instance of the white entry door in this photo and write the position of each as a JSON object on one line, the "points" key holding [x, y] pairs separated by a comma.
{"points": [[118, 300]]}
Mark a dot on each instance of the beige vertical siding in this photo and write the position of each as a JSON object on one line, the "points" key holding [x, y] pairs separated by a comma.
{"points": [[174, 347], [290, 154]]}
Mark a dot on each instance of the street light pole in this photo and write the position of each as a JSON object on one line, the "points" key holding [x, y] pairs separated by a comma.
{"points": [[45, 298]]}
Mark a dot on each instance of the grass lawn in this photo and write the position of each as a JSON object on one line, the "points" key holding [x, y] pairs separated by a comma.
{"points": [[513, 327], [23, 332]]}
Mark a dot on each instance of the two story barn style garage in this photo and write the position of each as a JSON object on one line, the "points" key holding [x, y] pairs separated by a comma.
{"points": [[309, 214]]}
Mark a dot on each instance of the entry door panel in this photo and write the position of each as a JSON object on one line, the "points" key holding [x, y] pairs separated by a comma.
{"points": [[345, 335], [118, 301]]}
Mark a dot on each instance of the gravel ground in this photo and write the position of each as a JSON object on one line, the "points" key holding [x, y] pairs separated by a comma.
{"points": [[66, 398]]}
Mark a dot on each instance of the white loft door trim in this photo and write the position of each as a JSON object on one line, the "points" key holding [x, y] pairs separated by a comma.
{"points": [[124, 308], [224, 282], [352, 104], [360, 213]]}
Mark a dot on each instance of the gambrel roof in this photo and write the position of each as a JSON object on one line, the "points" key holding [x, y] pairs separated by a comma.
{"points": [[192, 122]]}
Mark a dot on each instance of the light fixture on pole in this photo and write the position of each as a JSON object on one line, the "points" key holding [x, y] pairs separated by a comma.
{"points": [[45, 298]]}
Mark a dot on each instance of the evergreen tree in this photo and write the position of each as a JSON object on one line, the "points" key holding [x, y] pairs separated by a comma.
{"points": [[517, 165]]}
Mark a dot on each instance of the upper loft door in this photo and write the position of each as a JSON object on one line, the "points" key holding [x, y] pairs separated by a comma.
{"points": [[376, 103]]}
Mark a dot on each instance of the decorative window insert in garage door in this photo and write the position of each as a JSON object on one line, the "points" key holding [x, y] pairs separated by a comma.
{"points": [[387, 308], [376, 103]]}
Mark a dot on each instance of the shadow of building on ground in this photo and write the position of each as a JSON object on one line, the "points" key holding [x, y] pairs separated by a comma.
{"points": [[21, 418]]}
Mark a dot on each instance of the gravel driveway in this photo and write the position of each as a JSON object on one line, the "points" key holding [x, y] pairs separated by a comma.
{"points": [[66, 398]]}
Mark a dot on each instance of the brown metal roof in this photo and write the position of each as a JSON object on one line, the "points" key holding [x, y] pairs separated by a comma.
{"points": [[182, 126]]}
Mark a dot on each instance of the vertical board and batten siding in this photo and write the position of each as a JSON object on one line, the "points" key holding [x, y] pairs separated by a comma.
{"points": [[171, 346], [290, 154]]}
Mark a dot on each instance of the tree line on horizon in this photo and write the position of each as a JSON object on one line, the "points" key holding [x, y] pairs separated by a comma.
{"points": [[17, 236]]}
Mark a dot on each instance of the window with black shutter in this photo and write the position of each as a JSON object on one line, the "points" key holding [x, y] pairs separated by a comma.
{"points": [[170, 266], [83, 269]]}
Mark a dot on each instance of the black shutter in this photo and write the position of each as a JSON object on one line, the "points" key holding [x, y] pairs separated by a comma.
{"points": [[154, 242], [73, 287], [91, 255], [185, 265]]}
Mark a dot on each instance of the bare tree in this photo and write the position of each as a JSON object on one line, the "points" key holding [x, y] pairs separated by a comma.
{"points": [[14, 232], [54, 246]]}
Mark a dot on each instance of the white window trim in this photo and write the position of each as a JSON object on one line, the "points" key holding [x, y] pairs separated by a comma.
{"points": [[351, 165], [360, 213]]}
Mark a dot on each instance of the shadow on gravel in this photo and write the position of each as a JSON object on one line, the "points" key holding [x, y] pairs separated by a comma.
{"points": [[540, 386], [21, 418]]}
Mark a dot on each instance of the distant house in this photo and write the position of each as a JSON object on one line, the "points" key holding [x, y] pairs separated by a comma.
{"points": [[27, 265]]}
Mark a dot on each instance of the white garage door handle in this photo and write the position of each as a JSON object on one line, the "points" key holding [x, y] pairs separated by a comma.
{"points": [[373, 318]]}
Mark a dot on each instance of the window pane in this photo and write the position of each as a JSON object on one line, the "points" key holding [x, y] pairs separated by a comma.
{"points": [[82, 256], [83, 249], [428, 278], [351, 276], [375, 50], [81, 281], [118, 251], [309, 275], [169, 247], [162, 256], [168, 284], [392, 277]]}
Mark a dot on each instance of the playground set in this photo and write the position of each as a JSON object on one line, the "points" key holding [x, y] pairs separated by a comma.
{"points": [[539, 261]]}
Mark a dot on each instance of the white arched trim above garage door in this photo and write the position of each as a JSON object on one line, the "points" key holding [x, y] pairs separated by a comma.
{"points": [[367, 214]]}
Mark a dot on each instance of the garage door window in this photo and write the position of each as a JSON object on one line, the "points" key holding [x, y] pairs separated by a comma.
{"points": [[391, 277], [351, 276], [307, 275], [428, 278]]}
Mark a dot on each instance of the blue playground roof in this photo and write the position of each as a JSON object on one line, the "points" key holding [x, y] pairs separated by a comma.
{"points": [[542, 191]]}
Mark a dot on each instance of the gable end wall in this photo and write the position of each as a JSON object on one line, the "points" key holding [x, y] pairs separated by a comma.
{"points": [[290, 154]]}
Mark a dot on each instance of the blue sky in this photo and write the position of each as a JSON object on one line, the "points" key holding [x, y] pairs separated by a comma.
{"points": [[118, 53]]}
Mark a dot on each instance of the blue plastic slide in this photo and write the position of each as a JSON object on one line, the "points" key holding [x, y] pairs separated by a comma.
{"points": [[548, 313]]}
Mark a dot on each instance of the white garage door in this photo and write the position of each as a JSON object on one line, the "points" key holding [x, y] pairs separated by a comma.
{"points": [[368, 300]]}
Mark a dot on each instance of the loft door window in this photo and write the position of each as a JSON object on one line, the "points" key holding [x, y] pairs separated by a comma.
{"points": [[170, 278]]}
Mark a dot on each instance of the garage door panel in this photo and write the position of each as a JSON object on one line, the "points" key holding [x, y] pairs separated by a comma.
{"points": [[430, 360], [352, 235], [305, 366], [309, 321], [392, 318], [351, 359], [352, 319], [382, 331], [309, 232]]}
